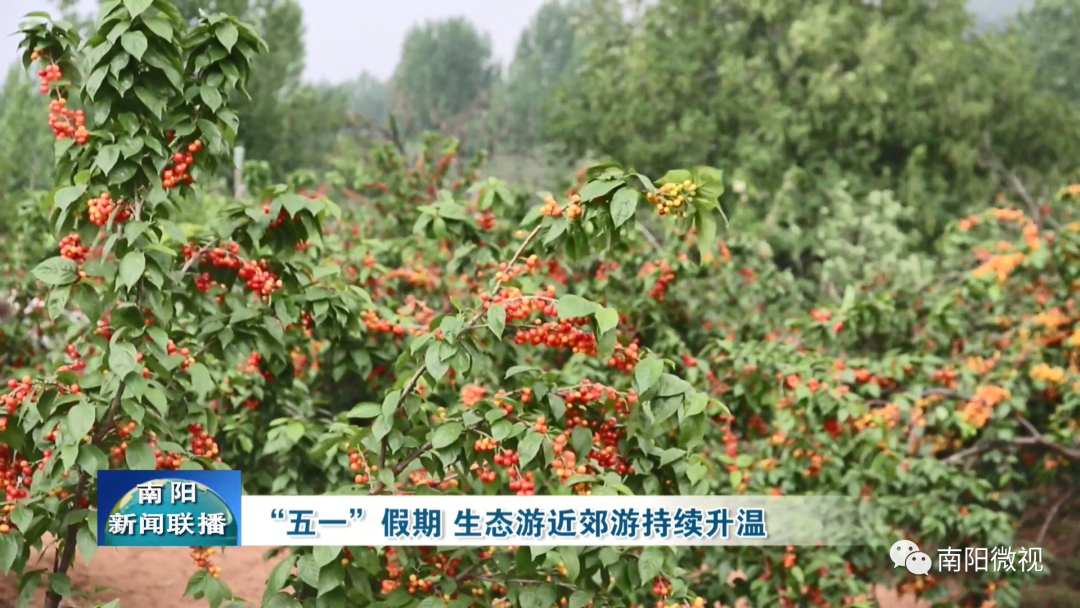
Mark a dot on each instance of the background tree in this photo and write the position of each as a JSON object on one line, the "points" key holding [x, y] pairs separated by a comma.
{"points": [[798, 96], [368, 96], [1050, 28], [446, 70], [540, 63], [26, 150]]}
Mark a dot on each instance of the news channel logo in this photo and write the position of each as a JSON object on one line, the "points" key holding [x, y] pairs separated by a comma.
{"points": [[169, 508], [905, 553]]}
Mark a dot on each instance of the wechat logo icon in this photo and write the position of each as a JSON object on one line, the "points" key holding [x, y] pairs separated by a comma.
{"points": [[907, 554]]}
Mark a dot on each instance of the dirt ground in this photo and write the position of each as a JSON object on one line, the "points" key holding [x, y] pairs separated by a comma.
{"points": [[156, 577], [145, 577]]}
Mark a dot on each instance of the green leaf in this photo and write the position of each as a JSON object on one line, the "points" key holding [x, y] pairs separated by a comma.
{"points": [[520, 369], [137, 7], [581, 439], [446, 435], [60, 584], [390, 403], [623, 205], [496, 320], [365, 410], [86, 543], [434, 362], [210, 96], [201, 382], [140, 457], [529, 447], [123, 172], [281, 600], [227, 34], [134, 43], [160, 27], [295, 431], [80, 419], [107, 157], [671, 386], [501, 429], [22, 517], [9, 550], [65, 196], [57, 271], [57, 301], [28, 586], [570, 560], [696, 472], [325, 554], [92, 459], [607, 319], [572, 307], [69, 453], [157, 399], [581, 598], [608, 556], [61, 146], [597, 188], [556, 229], [123, 359], [154, 103], [381, 427], [670, 455], [675, 176], [528, 598], [650, 564], [131, 268], [93, 83], [278, 577], [647, 373], [706, 231]]}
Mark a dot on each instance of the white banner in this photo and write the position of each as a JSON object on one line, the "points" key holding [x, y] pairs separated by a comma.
{"points": [[486, 521]]}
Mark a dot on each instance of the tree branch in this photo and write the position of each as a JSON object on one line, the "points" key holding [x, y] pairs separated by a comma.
{"points": [[1039, 439], [649, 237], [519, 581], [1035, 438], [67, 555], [395, 135], [993, 163], [1052, 514]]}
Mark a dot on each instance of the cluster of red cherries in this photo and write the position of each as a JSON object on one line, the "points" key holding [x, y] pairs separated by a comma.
{"points": [[72, 248], [176, 173], [65, 123], [102, 208], [257, 277]]}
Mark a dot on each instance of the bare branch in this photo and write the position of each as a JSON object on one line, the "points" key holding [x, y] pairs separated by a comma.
{"points": [[1052, 514]]}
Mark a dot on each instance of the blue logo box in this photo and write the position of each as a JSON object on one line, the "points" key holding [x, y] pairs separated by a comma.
{"points": [[168, 508]]}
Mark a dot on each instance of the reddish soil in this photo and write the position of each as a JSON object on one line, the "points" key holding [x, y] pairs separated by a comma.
{"points": [[151, 577], [157, 577]]}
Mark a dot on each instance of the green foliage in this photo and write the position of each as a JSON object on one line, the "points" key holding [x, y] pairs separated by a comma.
{"points": [[1048, 28], [899, 97], [25, 148], [289, 124]]}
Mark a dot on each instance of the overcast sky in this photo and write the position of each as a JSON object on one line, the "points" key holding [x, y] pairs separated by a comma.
{"points": [[347, 37]]}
